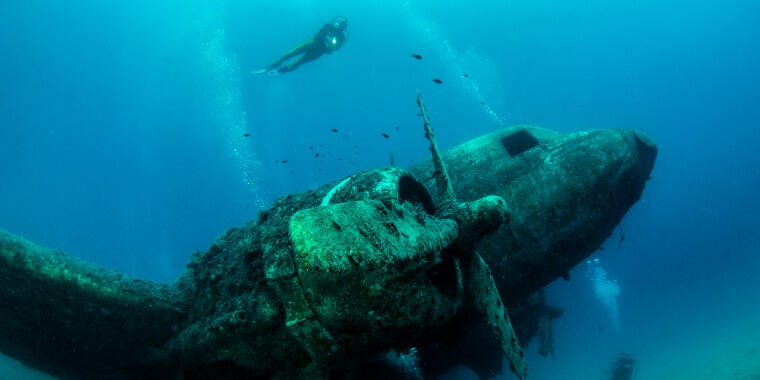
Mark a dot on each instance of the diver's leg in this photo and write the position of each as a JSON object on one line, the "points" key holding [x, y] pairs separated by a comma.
{"points": [[308, 57], [300, 49]]}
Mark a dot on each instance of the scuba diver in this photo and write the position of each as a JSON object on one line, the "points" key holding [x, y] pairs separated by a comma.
{"points": [[327, 40]]}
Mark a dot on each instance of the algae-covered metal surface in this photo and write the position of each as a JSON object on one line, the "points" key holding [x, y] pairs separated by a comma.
{"points": [[566, 192], [326, 282], [365, 233], [72, 319]]}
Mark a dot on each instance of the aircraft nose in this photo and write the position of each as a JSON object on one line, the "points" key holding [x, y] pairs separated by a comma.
{"points": [[637, 164], [644, 150]]}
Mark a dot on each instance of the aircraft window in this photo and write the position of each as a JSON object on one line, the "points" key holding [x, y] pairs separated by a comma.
{"points": [[518, 142]]}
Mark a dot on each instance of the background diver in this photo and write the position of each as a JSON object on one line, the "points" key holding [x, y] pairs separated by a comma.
{"points": [[327, 40]]}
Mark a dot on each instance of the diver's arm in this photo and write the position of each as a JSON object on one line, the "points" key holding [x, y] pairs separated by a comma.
{"points": [[341, 40]]}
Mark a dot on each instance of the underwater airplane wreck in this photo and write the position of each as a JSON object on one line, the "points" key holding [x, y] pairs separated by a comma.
{"points": [[326, 283]]}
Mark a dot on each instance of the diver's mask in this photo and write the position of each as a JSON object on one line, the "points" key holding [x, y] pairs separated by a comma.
{"points": [[340, 23]]}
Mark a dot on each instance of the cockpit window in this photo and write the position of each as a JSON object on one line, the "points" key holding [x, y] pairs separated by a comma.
{"points": [[518, 142]]}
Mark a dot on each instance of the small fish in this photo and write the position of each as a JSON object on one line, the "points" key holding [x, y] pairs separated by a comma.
{"points": [[316, 155], [340, 159], [284, 161], [277, 161], [436, 80], [397, 127], [482, 102], [416, 56], [311, 148], [246, 134], [419, 114], [334, 130], [466, 75], [385, 135]]}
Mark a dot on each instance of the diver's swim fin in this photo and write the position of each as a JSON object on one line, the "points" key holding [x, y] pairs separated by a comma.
{"points": [[270, 72]]}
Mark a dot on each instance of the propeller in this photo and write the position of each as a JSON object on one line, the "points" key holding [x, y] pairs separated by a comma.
{"points": [[478, 282], [378, 265]]}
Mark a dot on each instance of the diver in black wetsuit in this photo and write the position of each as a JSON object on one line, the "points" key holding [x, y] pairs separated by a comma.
{"points": [[327, 40]]}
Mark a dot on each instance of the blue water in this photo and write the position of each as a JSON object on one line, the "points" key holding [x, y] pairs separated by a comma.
{"points": [[121, 139]]}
